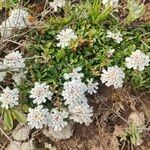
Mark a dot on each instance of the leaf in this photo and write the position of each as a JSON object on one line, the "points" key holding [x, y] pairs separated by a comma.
{"points": [[60, 54], [8, 121], [18, 115]]}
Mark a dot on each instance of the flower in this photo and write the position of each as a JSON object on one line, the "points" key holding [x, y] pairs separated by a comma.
{"points": [[14, 60], [57, 3], [18, 77], [19, 19], [92, 87], [65, 36], [74, 74], [9, 98], [57, 119], [138, 60], [37, 117], [111, 2], [116, 36], [113, 76], [40, 92], [81, 113], [110, 53], [73, 91]]}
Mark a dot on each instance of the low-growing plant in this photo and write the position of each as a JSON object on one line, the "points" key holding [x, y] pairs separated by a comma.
{"points": [[64, 59]]}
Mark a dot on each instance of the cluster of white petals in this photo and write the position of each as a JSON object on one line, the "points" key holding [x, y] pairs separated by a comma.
{"points": [[73, 91], [92, 87], [110, 53], [74, 75], [117, 37], [110, 2], [138, 60], [81, 113], [40, 93], [18, 19], [57, 4], [57, 119], [65, 36], [37, 117], [113, 76], [74, 95], [14, 60], [9, 98]]}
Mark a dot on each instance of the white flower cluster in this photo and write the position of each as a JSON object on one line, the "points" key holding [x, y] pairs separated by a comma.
{"points": [[9, 98], [138, 60], [110, 2], [115, 36], [92, 87], [57, 4], [57, 119], [18, 19], [40, 93], [74, 95], [14, 60], [65, 36], [37, 117], [113, 76], [110, 53]]}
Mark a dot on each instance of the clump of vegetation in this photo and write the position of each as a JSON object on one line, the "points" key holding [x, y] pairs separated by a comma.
{"points": [[79, 48]]}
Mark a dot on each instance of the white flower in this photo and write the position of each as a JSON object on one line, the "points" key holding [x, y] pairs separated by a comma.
{"points": [[57, 3], [92, 87], [116, 36], [19, 19], [14, 60], [65, 36], [110, 2], [18, 77], [81, 113], [57, 119], [110, 53], [40, 93], [74, 74], [113, 76], [37, 117], [73, 91], [9, 98], [138, 60]]}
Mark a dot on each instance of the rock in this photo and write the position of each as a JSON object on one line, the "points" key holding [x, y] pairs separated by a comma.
{"points": [[27, 145], [65, 133], [137, 118], [14, 146], [21, 133], [20, 146]]}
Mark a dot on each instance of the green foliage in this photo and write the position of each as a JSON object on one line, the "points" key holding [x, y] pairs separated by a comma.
{"points": [[136, 10], [10, 115], [133, 133]]}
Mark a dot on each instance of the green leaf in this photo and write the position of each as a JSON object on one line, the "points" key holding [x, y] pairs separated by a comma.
{"points": [[18, 115], [8, 121], [60, 54]]}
